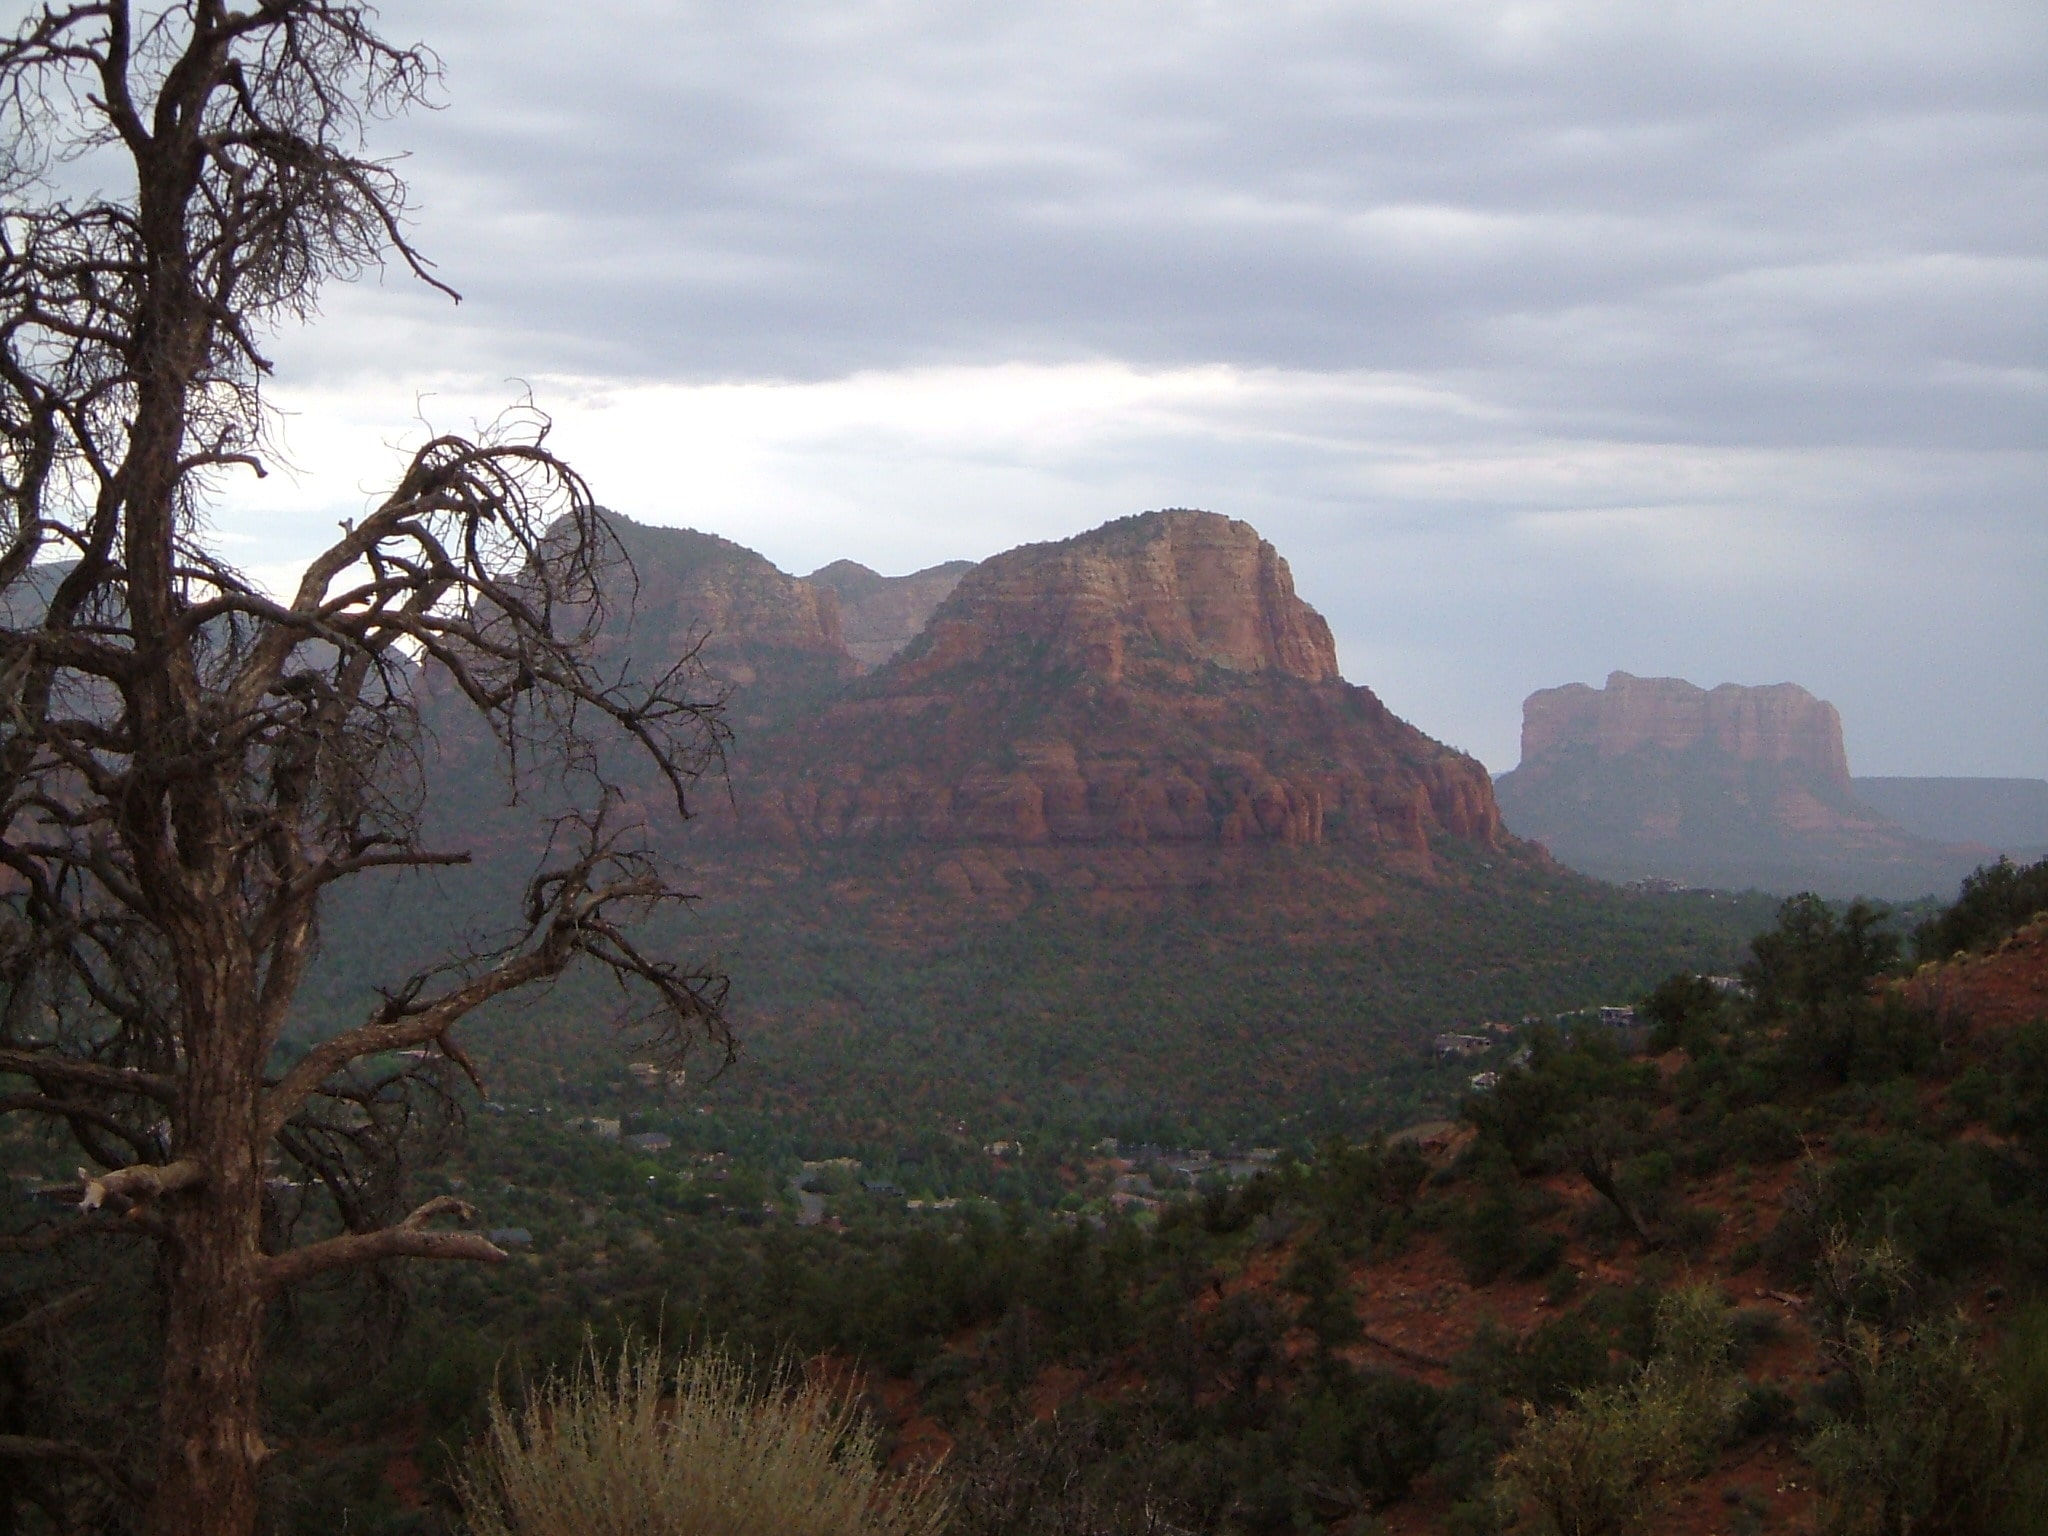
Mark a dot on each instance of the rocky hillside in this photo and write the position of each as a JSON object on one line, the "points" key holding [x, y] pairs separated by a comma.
{"points": [[1654, 777], [1154, 681], [1773, 1264]]}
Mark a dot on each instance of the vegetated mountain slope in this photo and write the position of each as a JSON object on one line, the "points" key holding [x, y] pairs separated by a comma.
{"points": [[1784, 1269], [1241, 993], [1286, 994], [1733, 786], [1110, 843]]}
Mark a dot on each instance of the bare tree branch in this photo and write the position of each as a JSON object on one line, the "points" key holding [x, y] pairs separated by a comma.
{"points": [[45, 1064], [409, 1239], [139, 1182]]}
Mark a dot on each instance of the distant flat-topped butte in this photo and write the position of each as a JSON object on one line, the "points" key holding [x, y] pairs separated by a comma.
{"points": [[1731, 786]]}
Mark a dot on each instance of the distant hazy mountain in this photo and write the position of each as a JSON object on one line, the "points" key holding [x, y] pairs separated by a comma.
{"points": [[2010, 815], [879, 615], [1731, 786]]}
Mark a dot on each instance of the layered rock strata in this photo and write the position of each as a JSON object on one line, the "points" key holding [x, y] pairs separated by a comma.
{"points": [[1155, 680], [1779, 724]]}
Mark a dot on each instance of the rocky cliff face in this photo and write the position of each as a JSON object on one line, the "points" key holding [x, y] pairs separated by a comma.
{"points": [[1733, 786], [1156, 681], [1152, 689], [879, 615], [1158, 596], [1781, 724]]}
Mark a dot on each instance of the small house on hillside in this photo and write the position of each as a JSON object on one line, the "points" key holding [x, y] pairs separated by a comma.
{"points": [[1450, 1047], [650, 1141]]}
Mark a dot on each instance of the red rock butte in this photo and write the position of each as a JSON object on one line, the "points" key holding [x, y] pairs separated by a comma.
{"points": [[1178, 590], [1731, 786], [1156, 681], [1780, 723]]}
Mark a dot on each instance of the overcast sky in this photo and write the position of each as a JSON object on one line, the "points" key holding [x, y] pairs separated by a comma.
{"points": [[1548, 339]]}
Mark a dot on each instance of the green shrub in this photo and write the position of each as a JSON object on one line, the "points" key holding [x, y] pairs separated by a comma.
{"points": [[1607, 1465], [1993, 902], [2023, 1370], [632, 1450], [2016, 1099], [1935, 1201], [1491, 1234], [1765, 1409], [1860, 1285], [1762, 1134], [1373, 1433], [1752, 1329], [1599, 1468], [1929, 1443], [1685, 1011], [1812, 957], [1557, 1360], [1691, 1228]]}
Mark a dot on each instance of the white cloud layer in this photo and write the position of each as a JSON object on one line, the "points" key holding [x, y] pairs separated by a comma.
{"points": [[1543, 338]]}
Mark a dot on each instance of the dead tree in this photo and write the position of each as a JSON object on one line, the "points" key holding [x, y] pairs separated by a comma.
{"points": [[188, 765]]}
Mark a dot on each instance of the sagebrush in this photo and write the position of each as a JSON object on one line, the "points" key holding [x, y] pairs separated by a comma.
{"points": [[635, 1448]]}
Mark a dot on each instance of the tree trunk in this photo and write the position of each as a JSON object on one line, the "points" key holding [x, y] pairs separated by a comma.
{"points": [[210, 1448]]}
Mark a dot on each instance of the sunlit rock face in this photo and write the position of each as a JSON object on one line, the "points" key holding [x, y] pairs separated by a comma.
{"points": [[1654, 777], [1162, 595]]}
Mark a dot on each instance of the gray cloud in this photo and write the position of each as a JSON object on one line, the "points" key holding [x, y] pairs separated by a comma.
{"points": [[1724, 327], [1829, 220]]}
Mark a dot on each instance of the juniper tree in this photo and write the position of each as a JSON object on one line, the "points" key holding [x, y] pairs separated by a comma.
{"points": [[188, 765]]}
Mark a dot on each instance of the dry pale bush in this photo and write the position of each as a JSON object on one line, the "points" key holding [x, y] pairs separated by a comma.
{"points": [[1934, 1442], [628, 1448]]}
